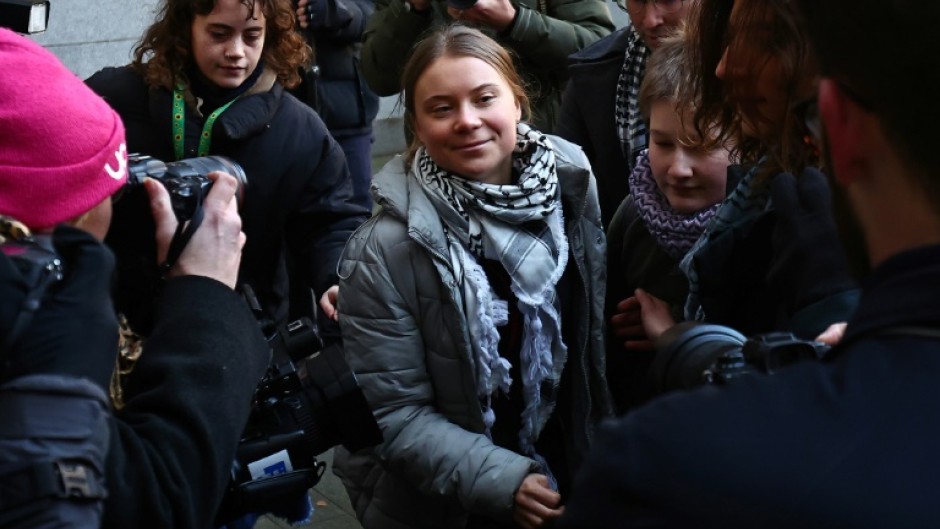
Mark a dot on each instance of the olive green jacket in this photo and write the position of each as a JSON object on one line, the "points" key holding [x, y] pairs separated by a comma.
{"points": [[543, 35]]}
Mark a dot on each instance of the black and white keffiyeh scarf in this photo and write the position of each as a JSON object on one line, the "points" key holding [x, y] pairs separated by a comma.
{"points": [[631, 127], [673, 232], [519, 225]]}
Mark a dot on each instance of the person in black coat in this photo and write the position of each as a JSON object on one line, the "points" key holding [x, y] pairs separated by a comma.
{"points": [[850, 441], [226, 96], [67, 458], [599, 109], [334, 85]]}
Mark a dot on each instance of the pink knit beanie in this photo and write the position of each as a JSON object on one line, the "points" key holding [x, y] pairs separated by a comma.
{"points": [[62, 147]]}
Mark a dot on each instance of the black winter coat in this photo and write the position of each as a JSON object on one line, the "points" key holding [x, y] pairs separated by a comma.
{"points": [[173, 444], [587, 116], [298, 200], [851, 442], [334, 85]]}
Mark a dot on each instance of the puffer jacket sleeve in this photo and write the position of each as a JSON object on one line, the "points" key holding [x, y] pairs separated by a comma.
{"points": [[390, 33], [385, 329], [547, 39]]}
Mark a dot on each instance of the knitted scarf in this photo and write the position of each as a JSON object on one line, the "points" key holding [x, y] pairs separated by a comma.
{"points": [[631, 127], [519, 225], [673, 232]]}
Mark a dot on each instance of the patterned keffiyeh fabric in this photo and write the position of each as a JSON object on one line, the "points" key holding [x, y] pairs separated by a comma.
{"points": [[631, 127], [519, 225]]}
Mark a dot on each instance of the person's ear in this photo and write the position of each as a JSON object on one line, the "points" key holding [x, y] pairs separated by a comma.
{"points": [[847, 127], [518, 111]]}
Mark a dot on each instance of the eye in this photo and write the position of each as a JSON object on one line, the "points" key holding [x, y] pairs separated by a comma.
{"points": [[253, 37], [664, 144], [440, 110]]}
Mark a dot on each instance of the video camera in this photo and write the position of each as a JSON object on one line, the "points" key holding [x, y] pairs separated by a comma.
{"points": [[307, 402], [693, 353]]}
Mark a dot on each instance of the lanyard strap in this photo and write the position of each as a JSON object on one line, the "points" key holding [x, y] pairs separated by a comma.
{"points": [[179, 120]]}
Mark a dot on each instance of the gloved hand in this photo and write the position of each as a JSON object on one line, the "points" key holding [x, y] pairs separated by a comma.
{"points": [[808, 263], [75, 330]]}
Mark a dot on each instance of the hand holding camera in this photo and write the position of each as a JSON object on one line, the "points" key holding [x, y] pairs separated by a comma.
{"points": [[216, 247]]}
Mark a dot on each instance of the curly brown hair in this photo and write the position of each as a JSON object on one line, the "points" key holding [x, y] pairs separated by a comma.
{"points": [[764, 30], [165, 49]]}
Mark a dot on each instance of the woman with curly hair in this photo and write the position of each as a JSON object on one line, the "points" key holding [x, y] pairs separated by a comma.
{"points": [[209, 78]]}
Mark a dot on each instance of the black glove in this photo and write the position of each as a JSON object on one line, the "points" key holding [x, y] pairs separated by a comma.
{"points": [[74, 331], [809, 263]]}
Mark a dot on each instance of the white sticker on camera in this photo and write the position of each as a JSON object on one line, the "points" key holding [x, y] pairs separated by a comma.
{"points": [[272, 465]]}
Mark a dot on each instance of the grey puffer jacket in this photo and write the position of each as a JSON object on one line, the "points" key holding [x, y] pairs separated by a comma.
{"points": [[406, 337]]}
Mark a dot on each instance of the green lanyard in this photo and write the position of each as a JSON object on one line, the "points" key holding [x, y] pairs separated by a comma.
{"points": [[179, 118]]}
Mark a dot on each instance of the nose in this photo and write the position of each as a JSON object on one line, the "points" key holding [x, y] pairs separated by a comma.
{"points": [[721, 71], [652, 18], [235, 50], [681, 166], [467, 118]]}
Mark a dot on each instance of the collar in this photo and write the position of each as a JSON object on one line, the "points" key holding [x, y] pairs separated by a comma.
{"points": [[245, 118]]}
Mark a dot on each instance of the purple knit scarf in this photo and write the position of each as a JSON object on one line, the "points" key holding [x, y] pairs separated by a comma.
{"points": [[673, 232]]}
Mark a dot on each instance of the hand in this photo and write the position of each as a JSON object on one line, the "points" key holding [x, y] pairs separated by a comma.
{"points": [[328, 303], [833, 334], [536, 502], [808, 263], [495, 14], [302, 15], [215, 249], [655, 314], [627, 324], [74, 331]]}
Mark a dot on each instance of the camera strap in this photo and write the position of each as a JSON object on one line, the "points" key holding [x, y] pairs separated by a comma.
{"points": [[179, 124], [184, 232]]}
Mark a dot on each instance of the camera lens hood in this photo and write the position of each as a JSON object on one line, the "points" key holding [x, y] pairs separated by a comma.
{"points": [[686, 350]]}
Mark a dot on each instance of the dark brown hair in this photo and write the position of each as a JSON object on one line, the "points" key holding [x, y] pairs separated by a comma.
{"points": [[166, 47], [456, 41], [765, 30], [884, 54]]}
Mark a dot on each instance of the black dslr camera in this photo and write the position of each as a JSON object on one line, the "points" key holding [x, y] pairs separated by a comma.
{"points": [[130, 236], [307, 402], [693, 353], [185, 180]]}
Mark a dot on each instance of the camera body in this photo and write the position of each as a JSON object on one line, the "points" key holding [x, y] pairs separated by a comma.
{"points": [[186, 181], [764, 353], [307, 402], [131, 235], [694, 353]]}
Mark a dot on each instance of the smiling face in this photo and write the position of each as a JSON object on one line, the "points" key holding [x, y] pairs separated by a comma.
{"points": [[227, 43], [465, 116], [690, 178]]}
